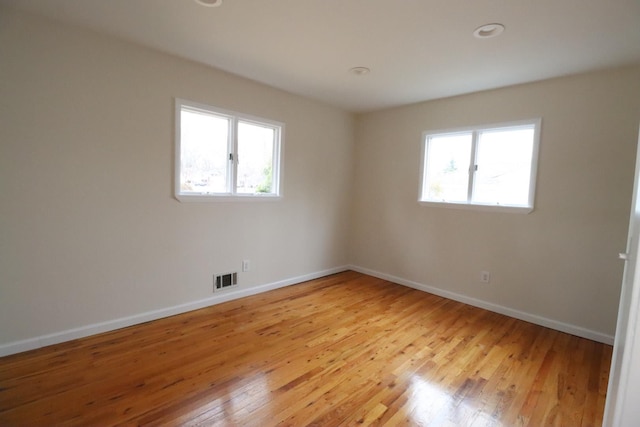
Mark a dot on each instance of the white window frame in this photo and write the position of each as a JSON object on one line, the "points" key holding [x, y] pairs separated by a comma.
{"points": [[475, 131], [234, 118]]}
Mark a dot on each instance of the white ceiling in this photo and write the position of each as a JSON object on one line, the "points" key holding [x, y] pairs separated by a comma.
{"points": [[417, 49]]}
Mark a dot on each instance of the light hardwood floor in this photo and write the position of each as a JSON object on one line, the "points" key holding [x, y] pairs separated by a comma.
{"points": [[347, 349]]}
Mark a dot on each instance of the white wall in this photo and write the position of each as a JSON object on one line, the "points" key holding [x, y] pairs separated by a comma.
{"points": [[558, 263], [89, 229]]}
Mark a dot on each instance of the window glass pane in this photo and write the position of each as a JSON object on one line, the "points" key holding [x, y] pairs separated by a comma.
{"points": [[203, 152], [255, 158], [447, 168], [504, 166]]}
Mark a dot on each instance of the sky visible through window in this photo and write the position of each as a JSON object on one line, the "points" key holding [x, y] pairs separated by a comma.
{"points": [[504, 167], [203, 152], [448, 167], [255, 158]]}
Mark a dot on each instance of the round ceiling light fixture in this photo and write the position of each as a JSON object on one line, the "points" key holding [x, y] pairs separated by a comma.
{"points": [[488, 30], [359, 71], [209, 3]]}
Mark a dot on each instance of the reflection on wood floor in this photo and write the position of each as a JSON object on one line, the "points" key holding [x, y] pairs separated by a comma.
{"points": [[347, 349]]}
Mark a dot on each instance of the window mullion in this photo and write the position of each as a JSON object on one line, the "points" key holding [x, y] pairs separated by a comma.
{"points": [[473, 167], [233, 156]]}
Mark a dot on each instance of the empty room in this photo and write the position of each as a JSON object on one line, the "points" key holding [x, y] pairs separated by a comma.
{"points": [[319, 212]]}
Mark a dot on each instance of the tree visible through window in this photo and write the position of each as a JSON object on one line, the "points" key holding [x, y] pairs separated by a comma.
{"points": [[492, 166], [221, 153]]}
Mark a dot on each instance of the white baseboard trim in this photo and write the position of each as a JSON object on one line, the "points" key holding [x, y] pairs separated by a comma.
{"points": [[111, 325], [528, 317]]}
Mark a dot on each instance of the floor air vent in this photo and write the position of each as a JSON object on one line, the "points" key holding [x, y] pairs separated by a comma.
{"points": [[225, 281]]}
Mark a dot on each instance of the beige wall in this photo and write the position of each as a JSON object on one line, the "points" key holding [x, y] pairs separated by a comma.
{"points": [[90, 231], [89, 228], [559, 262]]}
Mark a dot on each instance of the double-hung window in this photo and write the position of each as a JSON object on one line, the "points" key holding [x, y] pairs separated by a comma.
{"points": [[222, 154], [490, 167]]}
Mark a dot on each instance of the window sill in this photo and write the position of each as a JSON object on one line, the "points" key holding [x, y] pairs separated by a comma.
{"points": [[208, 198], [479, 207]]}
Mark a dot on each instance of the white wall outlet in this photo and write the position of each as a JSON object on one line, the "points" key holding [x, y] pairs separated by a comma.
{"points": [[246, 266], [485, 277]]}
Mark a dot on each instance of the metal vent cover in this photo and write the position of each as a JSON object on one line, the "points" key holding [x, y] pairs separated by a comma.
{"points": [[224, 281]]}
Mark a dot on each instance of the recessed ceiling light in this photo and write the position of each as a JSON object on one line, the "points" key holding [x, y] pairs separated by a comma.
{"points": [[360, 71], [488, 30], [209, 3]]}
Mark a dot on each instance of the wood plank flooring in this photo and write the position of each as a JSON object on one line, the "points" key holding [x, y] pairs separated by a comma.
{"points": [[347, 349]]}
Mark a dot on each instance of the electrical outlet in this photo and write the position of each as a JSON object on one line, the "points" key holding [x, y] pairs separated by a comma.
{"points": [[485, 277], [245, 265]]}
